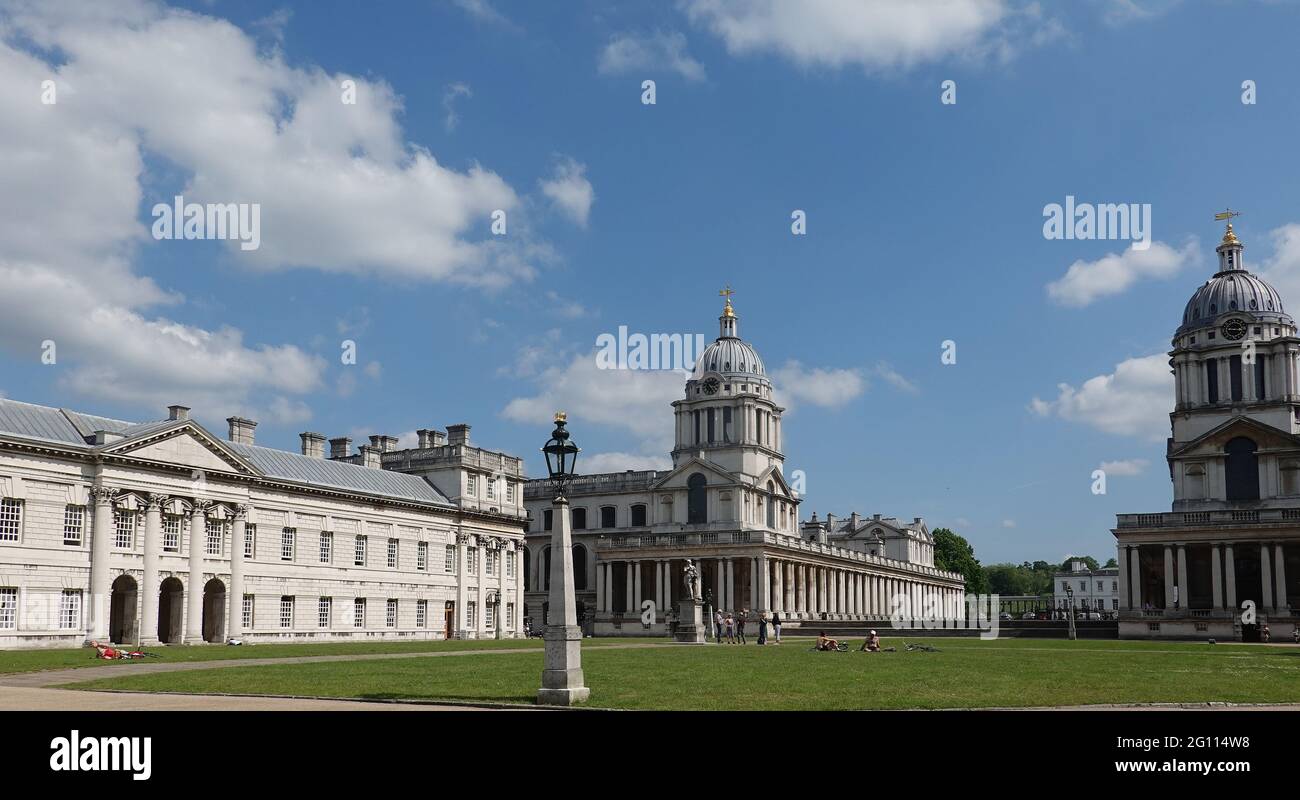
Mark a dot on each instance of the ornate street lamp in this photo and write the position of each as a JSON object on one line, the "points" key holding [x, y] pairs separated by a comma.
{"points": [[1069, 595], [562, 680]]}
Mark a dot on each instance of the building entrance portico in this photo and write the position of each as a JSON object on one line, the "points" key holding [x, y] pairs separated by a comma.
{"points": [[214, 611], [122, 610]]}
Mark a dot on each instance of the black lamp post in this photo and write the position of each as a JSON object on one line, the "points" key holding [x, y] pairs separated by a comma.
{"points": [[1069, 596], [562, 679]]}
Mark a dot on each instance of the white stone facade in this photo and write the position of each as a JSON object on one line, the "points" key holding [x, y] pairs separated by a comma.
{"points": [[162, 532]]}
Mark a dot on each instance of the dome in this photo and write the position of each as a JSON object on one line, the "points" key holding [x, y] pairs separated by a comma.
{"points": [[1226, 292], [730, 356]]}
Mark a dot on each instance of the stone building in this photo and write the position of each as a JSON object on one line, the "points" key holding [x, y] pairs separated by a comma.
{"points": [[726, 504], [162, 532], [1094, 589], [1231, 543]]}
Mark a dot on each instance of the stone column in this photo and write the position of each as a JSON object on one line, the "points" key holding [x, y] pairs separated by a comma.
{"points": [[235, 596], [149, 586], [600, 588], [519, 588], [1135, 575], [729, 584], [764, 585], [1230, 570], [1169, 577], [1216, 576], [719, 597], [194, 591], [1184, 585], [630, 580], [1121, 560], [1279, 568], [609, 586], [101, 540], [638, 591], [1266, 575], [562, 678], [462, 569]]}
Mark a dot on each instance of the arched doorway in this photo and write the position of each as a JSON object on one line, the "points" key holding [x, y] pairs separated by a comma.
{"points": [[579, 568], [1242, 471], [214, 611], [122, 610], [171, 607]]}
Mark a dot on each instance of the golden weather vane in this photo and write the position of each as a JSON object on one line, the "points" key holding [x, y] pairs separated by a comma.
{"points": [[1228, 214]]}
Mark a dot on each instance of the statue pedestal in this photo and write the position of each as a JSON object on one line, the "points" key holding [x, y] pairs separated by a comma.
{"points": [[690, 623]]}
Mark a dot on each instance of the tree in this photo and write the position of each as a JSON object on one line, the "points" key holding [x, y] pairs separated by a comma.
{"points": [[1111, 563], [953, 553], [1089, 560]]}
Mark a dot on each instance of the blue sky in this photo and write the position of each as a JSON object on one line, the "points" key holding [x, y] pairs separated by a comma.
{"points": [[924, 225]]}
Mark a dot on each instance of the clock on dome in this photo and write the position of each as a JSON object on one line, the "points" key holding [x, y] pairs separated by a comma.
{"points": [[1234, 329], [710, 385]]}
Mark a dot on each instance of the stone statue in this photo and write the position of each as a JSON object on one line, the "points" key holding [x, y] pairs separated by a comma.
{"points": [[691, 580]]}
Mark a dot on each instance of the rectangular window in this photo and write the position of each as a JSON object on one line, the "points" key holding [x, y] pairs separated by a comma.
{"points": [[74, 524], [248, 612], [216, 533], [392, 554], [489, 562], [449, 560], [1212, 379], [510, 565], [471, 556], [286, 612], [471, 615], [8, 608], [359, 552], [491, 488], [171, 534], [607, 517], [359, 612], [422, 556], [11, 519], [638, 516], [287, 537], [471, 485], [390, 613], [510, 491], [70, 610], [124, 530], [1260, 362], [421, 613], [323, 608], [711, 426], [326, 547], [250, 540], [510, 616], [489, 616], [1234, 376], [726, 424], [578, 517], [547, 519]]}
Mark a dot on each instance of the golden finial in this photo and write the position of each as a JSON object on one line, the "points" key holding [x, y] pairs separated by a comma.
{"points": [[1228, 236], [728, 311], [560, 416]]}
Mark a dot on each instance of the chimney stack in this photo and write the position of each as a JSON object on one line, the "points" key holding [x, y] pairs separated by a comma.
{"points": [[458, 434], [313, 444], [340, 447], [241, 430], [423, 437], [370, 456], [854, 520], [178, 412], [383, 443]]}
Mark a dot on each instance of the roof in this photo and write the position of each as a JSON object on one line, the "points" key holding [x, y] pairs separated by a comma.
{"points": [[45, 423]]}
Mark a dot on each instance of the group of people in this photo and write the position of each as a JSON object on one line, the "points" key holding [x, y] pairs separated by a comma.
{"points": [[871, 645], [732, 628]]}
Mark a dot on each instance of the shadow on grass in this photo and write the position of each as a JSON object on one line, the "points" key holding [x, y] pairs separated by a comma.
{"points": [[400, 697]]}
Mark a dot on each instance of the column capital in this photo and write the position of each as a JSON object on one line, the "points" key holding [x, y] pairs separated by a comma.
{"points": [[241, 512], [157, 501], [199, 507], [104, 495]]}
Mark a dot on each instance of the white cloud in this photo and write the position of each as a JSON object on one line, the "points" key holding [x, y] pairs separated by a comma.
{"points": [[659, 51], [886, 372], [1086, 281], [1008, 523], [1282, 270], [620, 462], [449, 97], [570, 190], [828, 388], [483, 11], [1125, 468], [873, 34], [1134, 400]]}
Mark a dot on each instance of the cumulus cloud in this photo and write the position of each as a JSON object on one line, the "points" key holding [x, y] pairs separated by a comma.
{"points": [[450, 94], [620, 462], [873, 34], [483, 11], [1282, 269], [570, 191], [1086, 281], [886, 372], [1125, 468], [654, 52], [1134, 400], [827, 388]]}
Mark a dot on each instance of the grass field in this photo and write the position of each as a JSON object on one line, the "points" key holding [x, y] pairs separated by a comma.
{"points": [[966, 673], [30, 660]]}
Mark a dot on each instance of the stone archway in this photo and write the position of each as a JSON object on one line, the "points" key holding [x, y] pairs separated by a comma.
{"points": [[214, 611], [123, 611], [171, 610]]}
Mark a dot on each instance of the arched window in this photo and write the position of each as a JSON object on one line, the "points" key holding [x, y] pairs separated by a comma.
{"points": [[771, 505], [697, 506], [638, 516], [1243, 469], [579, 519], [579, 567], [607, 517]]}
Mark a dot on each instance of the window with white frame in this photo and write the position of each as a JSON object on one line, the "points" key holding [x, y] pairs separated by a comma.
{"points": [[359, 556], [422, 556], [326, 547], [510, 491], [489, 615], [449, 560], [510, 565], [74, 525], [510, 616], [247, 612], [390, 613], [250, 540], [323, 608], [489, 562], [11, 519], [124, 530], [471, 485], [286, 612], [471, 615], [471, 560], [70, 610], [392, 554], [359, 612], [216, 533], [171, 534], [287, 541], [421, 613], [491, 487], [8, 607]]}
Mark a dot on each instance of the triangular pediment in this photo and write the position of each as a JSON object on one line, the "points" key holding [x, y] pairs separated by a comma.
{"points": [[676, 479], [1212, 442], [782, 487], [187, 445]]}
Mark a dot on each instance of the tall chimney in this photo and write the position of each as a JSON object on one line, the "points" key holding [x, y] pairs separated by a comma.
{"points": [[340, 447], [383, 443], [458, 434], [423, 437], [854, 520], [241, 430], [178, 412], [313, 444], [370, 456]]}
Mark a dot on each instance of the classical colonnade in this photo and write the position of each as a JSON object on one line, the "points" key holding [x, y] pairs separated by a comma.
{"points": [[1223, 576]]}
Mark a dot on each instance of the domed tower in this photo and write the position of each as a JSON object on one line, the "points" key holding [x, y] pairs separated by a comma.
{"points": [[728, 413], [1234, 361]]}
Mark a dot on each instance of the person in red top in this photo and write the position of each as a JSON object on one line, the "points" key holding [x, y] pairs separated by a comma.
{"points": [[105, 651]]}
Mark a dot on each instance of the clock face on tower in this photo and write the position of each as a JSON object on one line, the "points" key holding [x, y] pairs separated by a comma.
{"points": [[1234, 329], [711, 386]]}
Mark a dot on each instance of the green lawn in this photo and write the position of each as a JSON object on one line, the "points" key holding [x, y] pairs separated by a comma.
{"points": [[966, 673], [32, 660]]}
